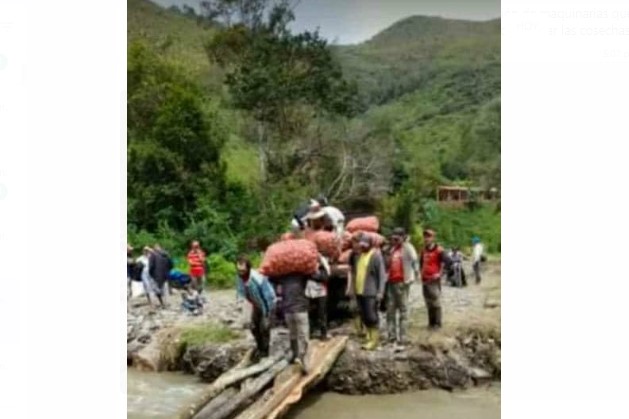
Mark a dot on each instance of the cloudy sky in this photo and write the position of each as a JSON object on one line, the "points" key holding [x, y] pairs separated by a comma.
{"points": [[352, 21]]}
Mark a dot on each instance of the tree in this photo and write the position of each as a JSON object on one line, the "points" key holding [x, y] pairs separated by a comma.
{"points": [[174, 141], [284, 81]]}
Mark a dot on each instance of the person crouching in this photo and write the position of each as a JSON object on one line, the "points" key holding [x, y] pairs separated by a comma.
{"points": [[257, 289]]}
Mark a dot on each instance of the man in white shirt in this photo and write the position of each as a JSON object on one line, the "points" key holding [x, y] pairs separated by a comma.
{"points": [[477, 255]]}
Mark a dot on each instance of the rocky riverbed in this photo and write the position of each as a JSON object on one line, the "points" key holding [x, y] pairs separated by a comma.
{"points": [[465, 352]]}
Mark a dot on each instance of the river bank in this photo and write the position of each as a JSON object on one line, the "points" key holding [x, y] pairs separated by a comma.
{"points": [[466, 352]]}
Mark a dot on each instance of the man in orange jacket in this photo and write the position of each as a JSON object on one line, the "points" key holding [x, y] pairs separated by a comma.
{"points": [[196, 260]]}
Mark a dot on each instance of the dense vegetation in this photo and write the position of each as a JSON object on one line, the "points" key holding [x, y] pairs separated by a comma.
{"points": [[233, 121]]}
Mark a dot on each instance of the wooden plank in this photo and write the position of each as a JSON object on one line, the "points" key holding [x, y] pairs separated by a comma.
{"points": [[229, 378], [291, 384], [247, 391]]}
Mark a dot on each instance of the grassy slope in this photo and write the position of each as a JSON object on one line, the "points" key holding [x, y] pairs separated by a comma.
{"points": [[428, 76], [183, 39]]}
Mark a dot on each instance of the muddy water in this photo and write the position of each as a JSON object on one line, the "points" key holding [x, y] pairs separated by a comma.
{"points": [[152, 395], [477, 403], [158, 395]]}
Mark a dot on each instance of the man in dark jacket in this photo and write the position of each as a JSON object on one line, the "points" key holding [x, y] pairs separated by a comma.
{"points": [[160, 266], [368, 278], [295, 306]]}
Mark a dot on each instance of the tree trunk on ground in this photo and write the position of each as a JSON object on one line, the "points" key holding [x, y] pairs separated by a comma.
{"points": [[229, 378], [290, 385], [322, 359], [217, 402], [278, 393], [248, 390]]}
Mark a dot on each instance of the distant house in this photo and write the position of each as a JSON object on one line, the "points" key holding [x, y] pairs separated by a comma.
{"points": [[462, 194]]}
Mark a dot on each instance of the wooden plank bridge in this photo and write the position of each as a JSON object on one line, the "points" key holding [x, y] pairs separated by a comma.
{"points": [[237, 388]]}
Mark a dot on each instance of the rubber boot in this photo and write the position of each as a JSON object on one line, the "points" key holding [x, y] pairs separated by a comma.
{"points": [[367, 340], [324, 333], [294, 349], [391, 335], [359, 327], [373, 339], [402, 333], [437, 318], [431, 317]]}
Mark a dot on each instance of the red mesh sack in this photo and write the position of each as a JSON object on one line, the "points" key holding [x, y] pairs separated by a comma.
{"points": [[287, 236], [344, 258], [346, 241], [290, 256], [327, 243], [364, 224], [376, 239], [309, 234]]}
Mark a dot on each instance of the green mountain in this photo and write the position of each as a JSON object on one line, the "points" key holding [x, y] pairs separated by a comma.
{"points": [[433, 83], [430, 91]]}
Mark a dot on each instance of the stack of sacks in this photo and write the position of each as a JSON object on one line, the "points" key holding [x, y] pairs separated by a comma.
{"points": [[328, 244], [370, 224]]}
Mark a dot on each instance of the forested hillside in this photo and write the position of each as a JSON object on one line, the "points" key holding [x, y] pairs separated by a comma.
{"points": [[227, 133]]}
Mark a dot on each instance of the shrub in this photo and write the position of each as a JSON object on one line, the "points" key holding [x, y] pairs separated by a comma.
{"points": [[221, 273]]}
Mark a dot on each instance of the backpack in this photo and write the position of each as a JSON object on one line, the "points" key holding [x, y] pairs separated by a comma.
{"points": [[137, 271]]}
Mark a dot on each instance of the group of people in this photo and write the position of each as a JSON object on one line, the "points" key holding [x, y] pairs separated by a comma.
{"points": [[454, 270], [374, 275], [153, 268]]}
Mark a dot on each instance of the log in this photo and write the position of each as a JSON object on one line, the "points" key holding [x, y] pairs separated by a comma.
{"points": [[217, 402], [248, 390], [320, 363], [279, 392], [227, 379], [290, 385]]}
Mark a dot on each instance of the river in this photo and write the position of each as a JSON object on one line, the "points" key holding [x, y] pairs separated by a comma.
{"points": [[153, 395]]}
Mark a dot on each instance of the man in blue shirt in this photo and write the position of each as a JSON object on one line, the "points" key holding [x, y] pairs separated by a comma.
{"points": [[257, 289]]}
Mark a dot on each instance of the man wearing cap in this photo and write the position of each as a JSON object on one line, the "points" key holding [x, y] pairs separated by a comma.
{"points": [[368, 281], [403, 270], [431, 263], [477, 255]]}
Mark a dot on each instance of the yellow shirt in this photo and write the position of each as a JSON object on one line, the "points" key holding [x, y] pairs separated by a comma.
{"points": [[361, 271]]}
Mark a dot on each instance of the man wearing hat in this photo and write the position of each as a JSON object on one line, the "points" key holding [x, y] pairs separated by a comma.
{"points": [[368, 278], [403, 271], [431, 262]]}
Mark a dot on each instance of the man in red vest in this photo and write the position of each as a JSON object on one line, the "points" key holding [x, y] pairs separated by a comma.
{"points": [[431, 262], [196, 260]]}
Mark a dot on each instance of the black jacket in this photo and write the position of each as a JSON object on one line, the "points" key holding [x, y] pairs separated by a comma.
{"points": [[160, 266]]}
